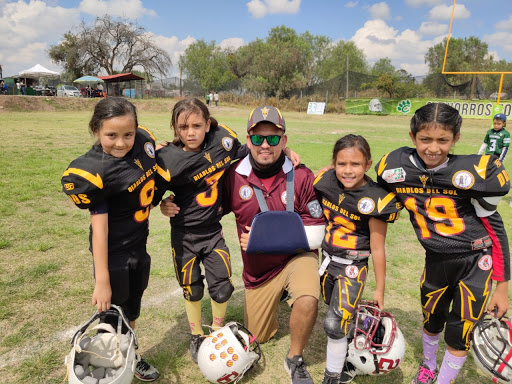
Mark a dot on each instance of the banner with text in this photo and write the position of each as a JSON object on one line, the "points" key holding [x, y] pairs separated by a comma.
{"points": [[474, 109]]}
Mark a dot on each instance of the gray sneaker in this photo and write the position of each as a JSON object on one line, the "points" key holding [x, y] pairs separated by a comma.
{"points": [[145, 371], [424, 375], [195, 343], [297, 370], [331, 377]]}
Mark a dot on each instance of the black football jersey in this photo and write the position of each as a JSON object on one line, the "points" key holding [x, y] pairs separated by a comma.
{"points": [[125, 184], [440, 203], [348, 212], [196, 178]]}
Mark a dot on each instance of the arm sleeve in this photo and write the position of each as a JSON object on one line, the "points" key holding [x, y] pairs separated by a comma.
{"points": [[500, 248], [482, 149], [242, 151], [503, 154]]}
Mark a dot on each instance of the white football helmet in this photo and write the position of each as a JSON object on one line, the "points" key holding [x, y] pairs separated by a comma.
{"points": [[375, 105], [378, 346], [491, 343], [226, 354]]}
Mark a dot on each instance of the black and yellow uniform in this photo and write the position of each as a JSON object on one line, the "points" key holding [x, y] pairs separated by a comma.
{"points": [[453, 211], [346, 245], [196, 180], [123, 188]]}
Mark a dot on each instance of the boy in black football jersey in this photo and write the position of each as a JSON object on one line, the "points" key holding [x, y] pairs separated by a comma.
{"points": [[452, 201], [193, 168], [357, 211], [115, 181]]}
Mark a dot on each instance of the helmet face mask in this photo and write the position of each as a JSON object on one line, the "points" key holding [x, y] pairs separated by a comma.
{"points": [[228, 353], [491, 343], [378, 346]]}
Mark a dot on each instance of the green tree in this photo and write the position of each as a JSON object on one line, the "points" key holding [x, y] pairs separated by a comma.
{"points": [[112, 45], [276, 65], [206, 64], [66, 54], [334, 61], [464, 55], [382, 66]]}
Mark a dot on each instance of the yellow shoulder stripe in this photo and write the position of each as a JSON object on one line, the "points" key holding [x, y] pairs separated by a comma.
{"points": [[148, 131], [231, 132], [96, 180], [382, 164], [320, 175], [381, 204], [166, 175], [481, 168]]}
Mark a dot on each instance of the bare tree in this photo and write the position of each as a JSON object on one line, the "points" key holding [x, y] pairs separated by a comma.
{"points": [[115, 45]]}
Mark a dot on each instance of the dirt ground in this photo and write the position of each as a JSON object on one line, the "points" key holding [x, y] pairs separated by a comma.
{"points": [[50, 104]]}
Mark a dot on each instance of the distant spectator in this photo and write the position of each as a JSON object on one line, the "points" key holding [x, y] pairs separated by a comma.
{"points": [[18, 86], [216, 98], [23, 87], [210, 97]]}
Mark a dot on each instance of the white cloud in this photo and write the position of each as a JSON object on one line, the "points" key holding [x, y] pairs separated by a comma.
{"points": [[173, 46], [405, 49], [504, 25], [444, 12], [500, 39], [432, 28], [28, 30], [131, 9], [351, 4], [380, 11], [233, 42], [260, 8], [419, 3], [494, 54]]}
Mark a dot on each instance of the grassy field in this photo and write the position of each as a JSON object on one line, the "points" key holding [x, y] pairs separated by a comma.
{"points": [[46, 269]]}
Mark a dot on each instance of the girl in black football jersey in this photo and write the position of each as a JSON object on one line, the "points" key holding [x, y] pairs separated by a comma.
{"points": [[192, 166], [452, 201], [113, 181], [357, 211]]}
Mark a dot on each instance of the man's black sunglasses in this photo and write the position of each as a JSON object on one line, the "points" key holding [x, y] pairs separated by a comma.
{"points": [[272, 140]]}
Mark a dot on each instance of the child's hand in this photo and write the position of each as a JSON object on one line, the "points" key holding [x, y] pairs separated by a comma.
{"points": [[293, 156], [324, 169], [378, 299], [244, 238], [168, 208], [101, 296], [499, 300]]}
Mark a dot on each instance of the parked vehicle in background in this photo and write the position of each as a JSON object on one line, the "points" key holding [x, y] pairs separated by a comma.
{"points": [[68, 90]]}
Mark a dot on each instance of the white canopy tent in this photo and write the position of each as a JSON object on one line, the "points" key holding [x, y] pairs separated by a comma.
{"points": [[38, 71]]}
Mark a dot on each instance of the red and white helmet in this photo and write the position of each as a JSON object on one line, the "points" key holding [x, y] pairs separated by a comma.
{"points": [[378, 346], [228, 353], [491, 343]]}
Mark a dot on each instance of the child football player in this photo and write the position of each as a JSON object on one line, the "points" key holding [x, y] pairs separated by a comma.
{"points": [[115, 181], [357, 211], [497, 139], [193, 167], [452, 202]]}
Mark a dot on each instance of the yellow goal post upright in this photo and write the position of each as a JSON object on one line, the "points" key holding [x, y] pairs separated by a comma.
{"points": [[498, 108]]}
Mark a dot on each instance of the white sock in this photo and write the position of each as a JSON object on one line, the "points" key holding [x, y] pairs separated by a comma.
{"points": [[336, 354]]}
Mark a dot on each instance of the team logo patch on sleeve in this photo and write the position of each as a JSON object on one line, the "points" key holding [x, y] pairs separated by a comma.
{"points": [[351, 271], [315, 209], [463, 179], [227, 143], [245, 192], [150, 150], [485, 262], [394, 175], [366, 205]]}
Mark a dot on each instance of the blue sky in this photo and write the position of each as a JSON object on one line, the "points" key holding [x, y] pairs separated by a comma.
{"points": [[401, 30]]}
